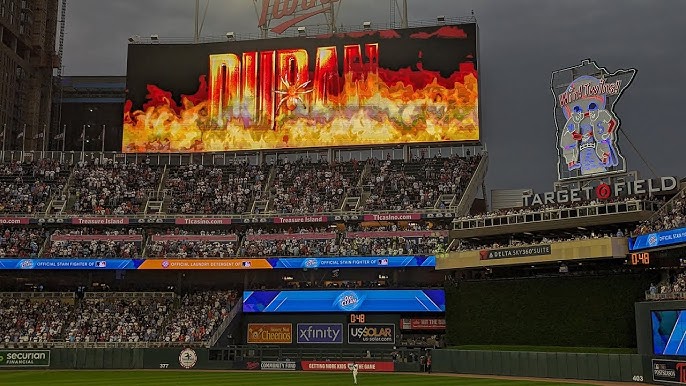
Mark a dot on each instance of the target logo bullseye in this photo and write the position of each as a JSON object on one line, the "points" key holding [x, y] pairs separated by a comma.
{"points": [[603, 191]]}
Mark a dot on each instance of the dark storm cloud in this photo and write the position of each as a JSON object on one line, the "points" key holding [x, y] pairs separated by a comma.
{"points": [[522, 42]]}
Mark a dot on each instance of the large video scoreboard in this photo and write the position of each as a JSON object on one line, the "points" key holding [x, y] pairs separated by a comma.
{"points": [[363, 88]]}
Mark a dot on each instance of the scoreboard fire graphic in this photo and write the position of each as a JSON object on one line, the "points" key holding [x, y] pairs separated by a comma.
{"points": [[364, 88]]}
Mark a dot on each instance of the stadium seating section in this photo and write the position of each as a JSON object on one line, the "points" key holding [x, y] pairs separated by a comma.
{"points": [[115, 317]]}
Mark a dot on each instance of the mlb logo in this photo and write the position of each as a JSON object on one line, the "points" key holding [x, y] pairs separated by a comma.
{"points": [[383, 262], [101, 264], [247, 264]]}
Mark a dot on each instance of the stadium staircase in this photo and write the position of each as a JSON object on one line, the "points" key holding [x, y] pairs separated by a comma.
{"points": [[261, 205], [156, 200], [223, 332], [472, 189], [59, 202], [355, 195]]}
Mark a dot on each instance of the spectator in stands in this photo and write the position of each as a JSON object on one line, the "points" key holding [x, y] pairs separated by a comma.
{"points": [[112, 188], [135, 317], [670, 216], [28, 187], [397, 185], [24, 242], [311, 187], [183, 244], [108, 246], [198, 316], [197, 189], [24, 320]]}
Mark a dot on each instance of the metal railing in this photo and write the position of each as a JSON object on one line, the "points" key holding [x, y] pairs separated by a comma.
{"points": [[49, 345], [311, 31], [666, 296], [237, 308], [38, 295], [556, 214]]}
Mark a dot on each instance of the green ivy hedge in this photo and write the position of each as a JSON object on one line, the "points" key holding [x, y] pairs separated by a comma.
{"points": [[564, 311]]}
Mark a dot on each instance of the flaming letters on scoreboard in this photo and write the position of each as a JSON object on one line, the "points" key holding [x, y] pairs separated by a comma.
{"points": [[258, 87]]}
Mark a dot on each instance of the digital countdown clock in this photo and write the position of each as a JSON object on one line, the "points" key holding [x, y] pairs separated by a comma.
{"points": [[642, 258], [357, 318]]}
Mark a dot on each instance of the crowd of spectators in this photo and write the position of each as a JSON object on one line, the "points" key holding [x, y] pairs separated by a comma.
{"points": [[97, 248], [24, 320], [305, 187], [543, 209], [189, 243], [393, 246], [288, 247], [21, 242], [422, 341], [119, 320], [27, 187], [675, 284], [397, 185], [190, 247], [163, 318], [671, 216], [464, 245], [109, 187], [198, 189], [198, 316]]}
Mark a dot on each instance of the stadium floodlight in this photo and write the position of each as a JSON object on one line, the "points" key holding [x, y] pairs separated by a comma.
{"points": [[134, 39], [367, 25], [230, 36], [302, 31], [441, 19], [155, 37]]}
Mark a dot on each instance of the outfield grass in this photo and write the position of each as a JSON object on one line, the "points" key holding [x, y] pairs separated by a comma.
{"points": [[585, 350], [199, 378]]}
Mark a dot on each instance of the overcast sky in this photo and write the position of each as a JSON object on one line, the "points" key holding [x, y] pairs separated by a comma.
{"points": [[521, 43]]}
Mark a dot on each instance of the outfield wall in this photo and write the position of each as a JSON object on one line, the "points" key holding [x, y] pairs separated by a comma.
{"points": [[595, 367], [590, 311], [237, 358]]}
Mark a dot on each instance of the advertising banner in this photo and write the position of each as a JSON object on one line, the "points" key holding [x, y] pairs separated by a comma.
{"points": [[355, 262], [669, 371], [300, 219], [364, 367], [100, 221], [74, 264], [319, 333], [223, 264], [270, 333], [337, 301], [367, 333], [506, 253], [658, 239], [14, 220], [219, 238], [278, 366], [392, 217], [422, 324], [24, 358], [415, 85], [206, 264], [203, 221]]}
